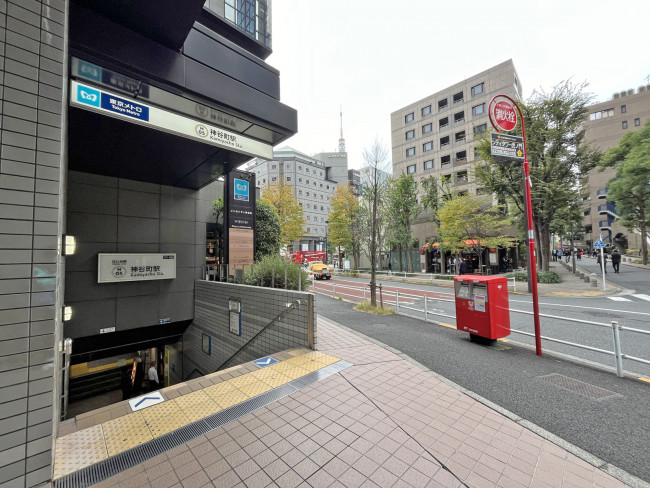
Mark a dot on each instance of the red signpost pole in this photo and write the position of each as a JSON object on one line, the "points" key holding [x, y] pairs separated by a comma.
{"points": [[531, 231]]}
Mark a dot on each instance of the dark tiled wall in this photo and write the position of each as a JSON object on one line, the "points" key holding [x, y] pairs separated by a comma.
{"points": [[32, 37], [112, 215], [259, 307]]}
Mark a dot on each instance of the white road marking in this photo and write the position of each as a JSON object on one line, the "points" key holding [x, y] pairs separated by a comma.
{"points": [[581, 306], [620, 299], [642, 297]]}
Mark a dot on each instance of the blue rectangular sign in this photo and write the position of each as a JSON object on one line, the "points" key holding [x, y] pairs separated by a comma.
{"points": [[241, 190], [88, 95], [125, 107]]}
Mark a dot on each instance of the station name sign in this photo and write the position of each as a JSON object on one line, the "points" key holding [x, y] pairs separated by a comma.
{"points": [[114, 268], [125, 108]]}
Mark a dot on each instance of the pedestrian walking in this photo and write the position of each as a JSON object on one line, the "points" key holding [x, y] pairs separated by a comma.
{"points": [[616, 260], [390, 268], [603, 264], [555, 255], [560, 254], [462, 267]]}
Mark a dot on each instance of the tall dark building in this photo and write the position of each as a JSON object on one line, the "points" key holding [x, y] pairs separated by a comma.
{"points": [[117, 119]]}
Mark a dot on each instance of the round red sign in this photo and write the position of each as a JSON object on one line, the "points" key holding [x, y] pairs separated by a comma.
{"points": [[504, 115]]}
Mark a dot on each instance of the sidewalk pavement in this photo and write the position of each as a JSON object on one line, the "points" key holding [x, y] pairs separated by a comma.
{"points": [[382, 422]]}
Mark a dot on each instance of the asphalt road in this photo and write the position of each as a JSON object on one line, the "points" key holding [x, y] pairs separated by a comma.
{"points": [[595, 314], [615, 428]]}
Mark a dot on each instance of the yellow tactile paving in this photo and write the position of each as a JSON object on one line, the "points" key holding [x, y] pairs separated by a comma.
{"points": [[78, 450], [88, 446], [199, 411], [125, 432]]}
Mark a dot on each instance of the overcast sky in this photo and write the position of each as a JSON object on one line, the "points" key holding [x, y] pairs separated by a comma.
{"points": [[374, 57]]}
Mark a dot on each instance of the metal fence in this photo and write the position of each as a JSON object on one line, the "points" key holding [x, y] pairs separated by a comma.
{"points": [[405, 302]]}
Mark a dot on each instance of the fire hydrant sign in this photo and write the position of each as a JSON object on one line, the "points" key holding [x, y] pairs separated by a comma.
{"points": [[114, 268], [504, 115]]}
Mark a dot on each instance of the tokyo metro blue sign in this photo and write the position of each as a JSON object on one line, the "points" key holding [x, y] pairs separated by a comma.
{"points": [[241, 190]]}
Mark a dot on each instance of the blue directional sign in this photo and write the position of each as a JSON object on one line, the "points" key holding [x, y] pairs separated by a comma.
{"points": [[267, 361], [599, 244], [145, 401]]}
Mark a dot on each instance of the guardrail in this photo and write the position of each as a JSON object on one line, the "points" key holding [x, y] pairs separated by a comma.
{"points": [[405, 302]]}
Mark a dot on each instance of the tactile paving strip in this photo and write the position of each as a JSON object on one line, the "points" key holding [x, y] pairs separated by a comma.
{"points": [[80, 449], [126, 459]]}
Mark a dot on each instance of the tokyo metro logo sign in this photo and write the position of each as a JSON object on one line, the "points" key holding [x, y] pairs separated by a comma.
{"points": [[241, 190]]}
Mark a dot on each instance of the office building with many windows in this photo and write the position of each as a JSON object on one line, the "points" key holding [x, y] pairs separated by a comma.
{"points": [[435, 136], [606, 123]]}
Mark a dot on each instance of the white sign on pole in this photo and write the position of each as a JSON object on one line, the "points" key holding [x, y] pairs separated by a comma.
{"points": [[121, 107], [114, 268]]}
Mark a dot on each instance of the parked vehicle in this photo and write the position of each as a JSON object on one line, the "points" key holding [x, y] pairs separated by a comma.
{"points": [[320, 270]]}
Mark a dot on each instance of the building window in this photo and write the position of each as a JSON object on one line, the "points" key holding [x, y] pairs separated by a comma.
{"points": [[443, 122], [623, 109], [274, 166], [288, 178], [478, 109], [637, 122], [274, 178], [410, 152], [458, 97], [427, 146], [601, 114], [320, 173], [328, 187], [321, 185], [480, 129], [442, 104], [445, 160], [459, 117], [459, 136], [410, 169], [625, 124], [426, 110], [409, 117], [428, 164], [461, 156], [427, 128], [299, 180], [444, 141], [287, 165], [410, 134], [476, 89], [300, 192], [461, 176], [482, 191]]}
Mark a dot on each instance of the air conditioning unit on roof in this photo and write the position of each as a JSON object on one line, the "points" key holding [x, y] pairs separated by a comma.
{"points": [[630, 91], [615, 95], [623, 93], [641, 89]]}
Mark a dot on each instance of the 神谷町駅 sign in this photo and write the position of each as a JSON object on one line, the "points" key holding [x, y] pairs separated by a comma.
{"points": [[114, 268]]}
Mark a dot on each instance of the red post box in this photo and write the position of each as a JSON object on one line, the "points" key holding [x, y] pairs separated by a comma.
{"points": [[482, 306]]}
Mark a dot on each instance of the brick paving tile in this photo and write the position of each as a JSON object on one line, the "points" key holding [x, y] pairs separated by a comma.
{"points": [[476, 481], [170, 479], [159, 470], [308, 447], [349, 455], [336, 467], [276, 468], [458, 469], [576, 480], [366, 466], [236, 458], [290, 479], [426, 466], [487, 472], [227, 480], [246, 469], [446, 479], [217, 469], [203, 448], [580, 469], [306, 468], [226, 449], [335, 446], [296, 438], [406, 455], [321, 456], [197, 480], [352, 478], [518, 476], [415, 478], [258, 480], [362, 445], [265, 457], [293, 457], [505, 482], [135, 481], [254, 448], [321, 479], [187, 469]]}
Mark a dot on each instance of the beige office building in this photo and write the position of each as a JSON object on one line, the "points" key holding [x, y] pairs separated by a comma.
{"points": [[435, 135], [606, 123]]}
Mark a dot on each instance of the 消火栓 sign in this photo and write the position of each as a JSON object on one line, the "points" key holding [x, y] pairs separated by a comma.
{"points": [[113, 268]]}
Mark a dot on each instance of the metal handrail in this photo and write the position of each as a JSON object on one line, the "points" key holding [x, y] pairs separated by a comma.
{"points": [[290, 306]]}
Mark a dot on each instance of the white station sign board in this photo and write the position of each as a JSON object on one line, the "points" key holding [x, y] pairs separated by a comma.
{"points": [[114, 268], [132, 110]]}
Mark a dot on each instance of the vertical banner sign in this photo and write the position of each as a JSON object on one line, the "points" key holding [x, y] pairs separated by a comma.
{"points": [[240, 219]]}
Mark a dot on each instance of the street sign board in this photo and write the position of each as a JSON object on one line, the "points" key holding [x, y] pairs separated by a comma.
{"points": [[503, 115], [505, 145], [599, 244]]}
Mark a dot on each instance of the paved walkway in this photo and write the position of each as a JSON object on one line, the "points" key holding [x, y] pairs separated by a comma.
{"points": [[382, 422]]}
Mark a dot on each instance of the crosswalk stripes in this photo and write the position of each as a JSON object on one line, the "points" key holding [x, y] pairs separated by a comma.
{"points": [[642, 296], [636, 295], [620, 299]]}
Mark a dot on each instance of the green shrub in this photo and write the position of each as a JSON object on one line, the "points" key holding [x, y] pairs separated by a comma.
{"points": [[261, 274], [542, 276]]}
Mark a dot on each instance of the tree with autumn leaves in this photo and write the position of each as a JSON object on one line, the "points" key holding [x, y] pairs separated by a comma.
{"points": [[343, 222], [292, 221]]}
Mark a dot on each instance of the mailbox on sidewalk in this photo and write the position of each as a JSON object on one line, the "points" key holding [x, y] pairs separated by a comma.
{"points": [[482, 306]]}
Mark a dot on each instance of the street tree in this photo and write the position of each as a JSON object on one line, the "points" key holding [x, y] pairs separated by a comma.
{"points": [[341, 220], [403, 208], [472, 224], [376, 159], [267, 229], [292, 221], [630, 188], [557, 154], [435, 190]]}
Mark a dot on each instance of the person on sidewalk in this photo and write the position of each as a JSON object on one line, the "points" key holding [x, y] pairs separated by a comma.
{"points": [[153, 377], [603, 264], [462, 267], [616, 260]]}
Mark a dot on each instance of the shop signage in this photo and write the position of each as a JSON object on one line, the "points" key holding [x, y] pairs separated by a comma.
{"points": [[507, 146], [240, 218], [115, 268], [126, 108]]}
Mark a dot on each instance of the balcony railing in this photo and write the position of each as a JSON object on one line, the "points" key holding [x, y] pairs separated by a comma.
{"points": [[602, 192], [605, 224], [607, 209]]}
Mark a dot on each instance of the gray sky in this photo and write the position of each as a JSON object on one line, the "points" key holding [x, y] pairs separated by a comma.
{"points": [[374, 57]]}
